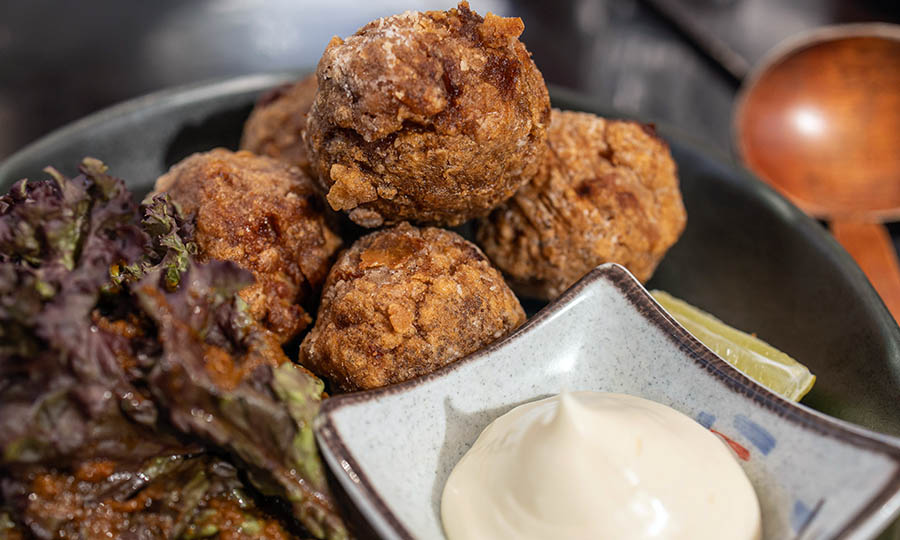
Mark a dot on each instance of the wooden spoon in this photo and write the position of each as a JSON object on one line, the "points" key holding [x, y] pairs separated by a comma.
{"points": [[819, 119]]}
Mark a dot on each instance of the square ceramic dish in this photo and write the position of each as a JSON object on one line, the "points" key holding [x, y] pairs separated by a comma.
{"points": [[393, 448]]}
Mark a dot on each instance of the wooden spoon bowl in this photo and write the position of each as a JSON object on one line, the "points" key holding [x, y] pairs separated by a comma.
{"points": [[819, 119]]}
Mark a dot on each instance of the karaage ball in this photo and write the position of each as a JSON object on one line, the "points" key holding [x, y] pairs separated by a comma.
{"points": [[402, 302], [267, 217], [433, 117], [276, 124], [607, 191]]}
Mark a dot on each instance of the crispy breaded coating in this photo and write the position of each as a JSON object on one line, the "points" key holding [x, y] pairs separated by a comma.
{"points": [[607, 191], [403, 302], [275, 126], [267, 217], [431, 117]]}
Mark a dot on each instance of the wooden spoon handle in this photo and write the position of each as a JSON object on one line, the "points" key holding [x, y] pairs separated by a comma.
{"points": [[871, 246]]}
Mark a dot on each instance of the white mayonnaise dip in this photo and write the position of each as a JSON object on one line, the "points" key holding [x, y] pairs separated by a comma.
{"points": [[598, 465]]}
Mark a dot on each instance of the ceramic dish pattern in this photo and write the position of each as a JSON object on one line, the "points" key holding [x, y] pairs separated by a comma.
{"points": [[392, 449]]}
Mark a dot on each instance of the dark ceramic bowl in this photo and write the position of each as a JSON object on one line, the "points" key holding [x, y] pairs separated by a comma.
{"points": [[747, 255]]}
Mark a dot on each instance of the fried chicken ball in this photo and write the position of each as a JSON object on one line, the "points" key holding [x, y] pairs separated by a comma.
{"points": [[431, 117], [607, 191], [276, 125], [267, 217], [402, 302]]}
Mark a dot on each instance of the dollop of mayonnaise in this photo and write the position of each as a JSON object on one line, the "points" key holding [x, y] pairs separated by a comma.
{"points": [[598, 465]]}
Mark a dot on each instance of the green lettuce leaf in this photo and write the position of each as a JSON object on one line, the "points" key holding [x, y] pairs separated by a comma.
{"points": [[224, 379]]}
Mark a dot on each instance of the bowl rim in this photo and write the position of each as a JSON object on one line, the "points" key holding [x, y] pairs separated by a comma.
{"points": [[199, 91], [863, 522]]}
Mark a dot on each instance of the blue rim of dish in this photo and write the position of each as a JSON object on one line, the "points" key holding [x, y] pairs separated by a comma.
{"points": [[333, 446]]}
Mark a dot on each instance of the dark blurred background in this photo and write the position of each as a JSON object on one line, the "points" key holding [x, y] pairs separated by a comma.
{"points": [[61, 60]]}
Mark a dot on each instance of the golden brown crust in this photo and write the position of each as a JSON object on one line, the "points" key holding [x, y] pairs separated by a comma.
{"points": [[432, 117], [275, 126], [84, 503], [607, 191], [267, 217], [403, 302]]}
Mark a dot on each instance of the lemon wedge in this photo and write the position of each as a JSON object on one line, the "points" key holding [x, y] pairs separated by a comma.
{"points": [[750, 355]]}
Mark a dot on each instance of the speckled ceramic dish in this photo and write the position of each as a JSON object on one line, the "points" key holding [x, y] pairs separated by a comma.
{"points": [[392, 449]]}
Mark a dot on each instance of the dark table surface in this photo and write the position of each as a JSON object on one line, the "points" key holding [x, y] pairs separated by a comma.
{"points": [[62, 60]]}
